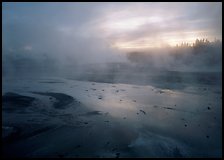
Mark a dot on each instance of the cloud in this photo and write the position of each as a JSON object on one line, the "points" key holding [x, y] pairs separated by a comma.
{"points": [[89, 30]]}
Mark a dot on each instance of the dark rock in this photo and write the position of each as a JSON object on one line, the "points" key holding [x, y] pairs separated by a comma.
{"points": [[60, 155], [117, 155], [100, 97], [142, 111], [12, 101]]}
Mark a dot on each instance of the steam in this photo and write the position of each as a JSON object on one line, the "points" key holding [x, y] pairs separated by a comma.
{"points": [[77, 39]]}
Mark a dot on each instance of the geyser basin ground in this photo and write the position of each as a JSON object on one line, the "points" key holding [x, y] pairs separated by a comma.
{"points": [[55, 117]]}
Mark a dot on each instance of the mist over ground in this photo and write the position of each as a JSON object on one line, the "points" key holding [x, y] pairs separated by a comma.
{"points": [[80, 36]]}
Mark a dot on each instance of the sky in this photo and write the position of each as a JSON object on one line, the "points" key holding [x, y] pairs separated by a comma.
{"points": [[101, 31]]}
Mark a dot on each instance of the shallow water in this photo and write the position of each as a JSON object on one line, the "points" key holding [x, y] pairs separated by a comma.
{"points": [[90, 119]]}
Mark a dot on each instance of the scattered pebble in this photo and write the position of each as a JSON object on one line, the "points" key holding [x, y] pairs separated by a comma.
{"points": [[106, 121], [85, 122], [185, 125], [100, 97], [142, 111], [124, 117], [207, 136], [209, 108], [134, 100]]}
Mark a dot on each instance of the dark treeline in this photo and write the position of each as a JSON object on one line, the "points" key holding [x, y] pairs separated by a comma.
{"points": [[202, 55]]}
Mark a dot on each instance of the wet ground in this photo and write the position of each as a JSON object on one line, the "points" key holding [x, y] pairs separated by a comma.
{"points": [[55, 117]]}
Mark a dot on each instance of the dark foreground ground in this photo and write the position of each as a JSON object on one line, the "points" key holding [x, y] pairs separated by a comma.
{"points": [[165, 116]]}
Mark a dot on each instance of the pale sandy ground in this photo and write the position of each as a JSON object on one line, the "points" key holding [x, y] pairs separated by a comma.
{"points": [[110, 120]]}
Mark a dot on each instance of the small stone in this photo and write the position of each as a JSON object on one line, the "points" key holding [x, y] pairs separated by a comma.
{"points": [[78, 146], [117, 155], [60, 155]]}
